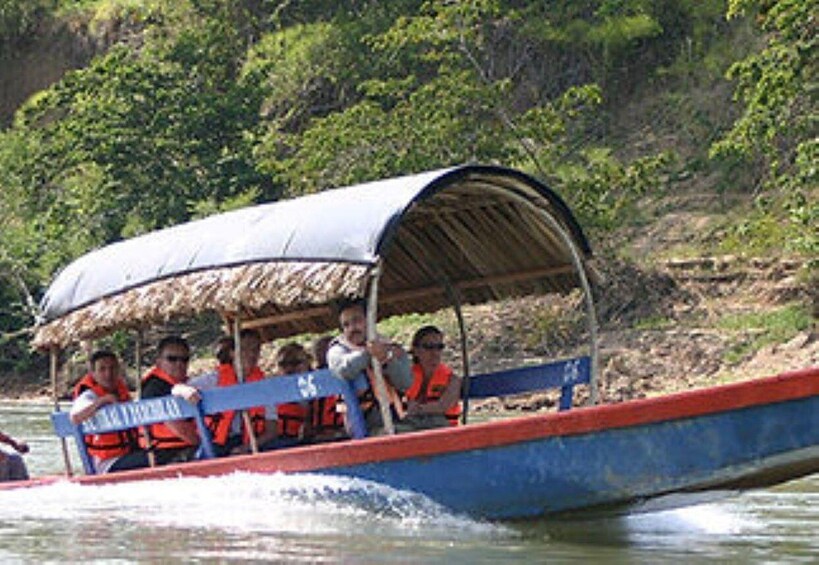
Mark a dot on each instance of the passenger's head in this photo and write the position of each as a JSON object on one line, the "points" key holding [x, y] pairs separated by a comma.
{"points": [[173, 355], [105, 369], [224, 350], [251, 343], [427, 346], [352, 318], [320, 347], [292, 358]]}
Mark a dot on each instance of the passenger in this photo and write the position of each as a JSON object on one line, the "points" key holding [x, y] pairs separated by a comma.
{"points": [[230, 435], [173, 441], [351, 353], [103, 385], [294, 417], [306, 422], [320, 347], [433, 400], [12, 466]]}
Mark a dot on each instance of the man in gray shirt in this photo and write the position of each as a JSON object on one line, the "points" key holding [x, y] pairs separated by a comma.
{"points": [[350, 354]]}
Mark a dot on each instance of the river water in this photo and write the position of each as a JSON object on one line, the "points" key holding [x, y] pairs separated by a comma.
{"points": [[310, 518]]}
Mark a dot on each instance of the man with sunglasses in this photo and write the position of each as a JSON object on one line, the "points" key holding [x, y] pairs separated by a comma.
{"points": [[173, 441]]}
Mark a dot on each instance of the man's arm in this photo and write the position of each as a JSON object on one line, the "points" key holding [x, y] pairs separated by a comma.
{"points": [[87, 404], [347, 363], [18, 446], [183, 429], [399, 369]]}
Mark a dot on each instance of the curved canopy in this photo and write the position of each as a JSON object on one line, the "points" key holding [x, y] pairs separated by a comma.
{"points": [[477, 229]]}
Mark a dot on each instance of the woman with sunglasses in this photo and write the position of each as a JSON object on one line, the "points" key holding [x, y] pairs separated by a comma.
{"points": [[433, 400]]}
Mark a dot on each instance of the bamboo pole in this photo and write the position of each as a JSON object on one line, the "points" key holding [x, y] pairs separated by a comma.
{"points": [[378, 376], [53, 354], [456, 303], [240, 376], [138, 362]]}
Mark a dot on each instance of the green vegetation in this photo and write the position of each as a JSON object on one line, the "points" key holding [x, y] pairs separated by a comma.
{"points": [[196, 106], [756, 330]]}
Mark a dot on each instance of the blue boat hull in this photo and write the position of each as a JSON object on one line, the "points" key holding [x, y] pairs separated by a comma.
{"points": [[738, 449]]}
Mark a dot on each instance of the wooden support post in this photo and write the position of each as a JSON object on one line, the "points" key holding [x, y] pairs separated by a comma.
{"points": [[240, 376], [53, 360]]}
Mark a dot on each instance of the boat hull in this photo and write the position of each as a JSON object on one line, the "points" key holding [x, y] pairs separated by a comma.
{"points": [[732, 437]]}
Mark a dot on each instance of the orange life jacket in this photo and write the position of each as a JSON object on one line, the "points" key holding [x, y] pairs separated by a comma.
{"points": [[219, 424], [436, 387], [162, 437], [326, 417], [291, 419], [367, 400], [321, 413], [112, 444]]}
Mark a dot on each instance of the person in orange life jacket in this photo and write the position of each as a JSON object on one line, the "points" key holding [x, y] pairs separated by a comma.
{"points": [[228, 429], [103, 385], [310, 421], [433, 398], [12, 466], [351, 353], [175, 440]]}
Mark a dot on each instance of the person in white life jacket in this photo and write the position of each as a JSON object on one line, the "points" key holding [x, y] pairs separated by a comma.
{"points": [[351, 353], [104, 385]]}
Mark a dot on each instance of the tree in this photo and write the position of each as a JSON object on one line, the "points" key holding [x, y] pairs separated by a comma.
{"points": [[779, 125]]}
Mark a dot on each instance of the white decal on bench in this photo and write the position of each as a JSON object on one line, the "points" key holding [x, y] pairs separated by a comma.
{"points": [[571, 371], [131, 415], [307, 388]]}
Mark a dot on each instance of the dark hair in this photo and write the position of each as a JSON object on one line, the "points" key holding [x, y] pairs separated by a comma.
{"points": [[172, 340], [102, 354], [347, 303], [224, 350], [319, 350], [290, 351], [423, 332], [225, 346], [420, 334]]}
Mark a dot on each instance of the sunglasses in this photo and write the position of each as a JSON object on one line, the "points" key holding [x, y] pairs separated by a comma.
{"points": [[177, 358], [432, 346]]}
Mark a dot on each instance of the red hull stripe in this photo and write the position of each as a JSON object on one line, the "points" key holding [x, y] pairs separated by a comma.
{"points": [[781, 388]]}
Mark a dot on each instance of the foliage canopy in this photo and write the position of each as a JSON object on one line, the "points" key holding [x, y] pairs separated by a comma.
{"points": [[196, 106]]}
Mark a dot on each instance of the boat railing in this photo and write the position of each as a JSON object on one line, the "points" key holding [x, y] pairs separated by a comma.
{"points": [[563, 374], [267, 392]]}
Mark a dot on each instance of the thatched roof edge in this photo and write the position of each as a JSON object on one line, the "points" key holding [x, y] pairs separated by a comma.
{"points": [[245, 288]]}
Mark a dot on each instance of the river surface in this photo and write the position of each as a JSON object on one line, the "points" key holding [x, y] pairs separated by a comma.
{"points": [[310, 518]]}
